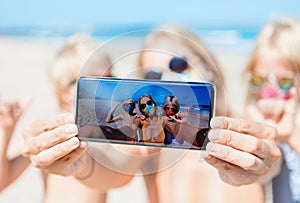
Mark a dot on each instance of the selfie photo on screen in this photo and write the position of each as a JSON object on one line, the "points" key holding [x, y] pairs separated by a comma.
{"points": [[144, 112]]}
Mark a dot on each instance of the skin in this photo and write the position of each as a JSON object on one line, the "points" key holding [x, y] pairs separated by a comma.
{"points": [[54, 147], [237, 162], [10, 169], [243, 151]]}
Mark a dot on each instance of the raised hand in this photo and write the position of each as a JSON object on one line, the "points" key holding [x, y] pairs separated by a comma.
{"points": [[279, 113], [10, 112]]}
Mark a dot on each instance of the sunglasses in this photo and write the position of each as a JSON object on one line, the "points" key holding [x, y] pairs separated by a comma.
{"points": [[258, 81], [149, 103]]}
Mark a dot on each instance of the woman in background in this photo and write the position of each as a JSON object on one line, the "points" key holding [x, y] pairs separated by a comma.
{"points": [[198, 180], [151, 123], [171, 106], [130, 121], [273, 97]]}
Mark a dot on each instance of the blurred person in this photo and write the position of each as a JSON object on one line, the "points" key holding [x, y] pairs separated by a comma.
{"points": [[178, 127], [64, 69], [177, 54], [273, 97], [10, 169], [129, 119], [171, 106], [62, 153], [151, 123]]}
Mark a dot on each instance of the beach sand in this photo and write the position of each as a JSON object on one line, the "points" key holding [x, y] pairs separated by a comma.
{"points": [[23, 65]]}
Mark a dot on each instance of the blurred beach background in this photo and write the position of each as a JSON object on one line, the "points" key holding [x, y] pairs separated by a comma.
{"points": [[32, 31]]}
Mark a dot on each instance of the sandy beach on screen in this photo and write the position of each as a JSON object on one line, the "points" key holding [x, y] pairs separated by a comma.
{"points": [[23, 65]]}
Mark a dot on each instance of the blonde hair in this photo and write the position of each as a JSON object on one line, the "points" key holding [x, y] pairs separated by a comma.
{"points": [[78, 52], [281, 38], [197, 48]]}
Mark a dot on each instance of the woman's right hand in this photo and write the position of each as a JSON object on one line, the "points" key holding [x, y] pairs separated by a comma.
{"points": [[243, 151], [52, 145]]}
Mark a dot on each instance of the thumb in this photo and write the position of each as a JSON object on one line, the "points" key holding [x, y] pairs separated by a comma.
{"points": [[254, 113], [24, 105], [291, 107]]}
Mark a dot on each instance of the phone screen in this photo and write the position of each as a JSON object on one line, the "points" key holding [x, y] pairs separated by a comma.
{"points": [[144, 112]]}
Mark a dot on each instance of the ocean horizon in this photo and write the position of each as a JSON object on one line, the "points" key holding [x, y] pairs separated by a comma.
{"points": [[213, 36]]}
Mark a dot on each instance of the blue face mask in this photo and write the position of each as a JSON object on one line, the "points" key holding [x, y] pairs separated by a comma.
{"points": [[129, 108], [149, 109]]}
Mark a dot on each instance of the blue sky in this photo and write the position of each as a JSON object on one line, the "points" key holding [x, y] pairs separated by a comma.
{"points": [[188, 95], [90, 12]]}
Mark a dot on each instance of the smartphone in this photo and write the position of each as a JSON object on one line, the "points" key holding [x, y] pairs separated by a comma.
{"points": [[144, 112]]}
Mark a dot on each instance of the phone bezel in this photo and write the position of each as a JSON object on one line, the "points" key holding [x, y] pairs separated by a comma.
{"points": [[157, 82]]}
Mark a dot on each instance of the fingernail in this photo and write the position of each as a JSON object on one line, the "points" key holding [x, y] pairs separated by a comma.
{"points": [[73, 141], [211, 147], [204, 155], [216, 122], [69, 118], [83, 145], [71, 129], [213, 135]]}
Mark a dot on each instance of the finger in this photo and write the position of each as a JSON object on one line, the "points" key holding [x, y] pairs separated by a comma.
{"points": [[229, 172], [286, 125], [250, 127], [15, 107], [48, 156], [7, 108], [49, 138], [276, 107], [239, 141], [269, 107], [43, 125], [290, 107], [66, 163], [254, 113], [24, 106], [175, 119], [241, 159]]}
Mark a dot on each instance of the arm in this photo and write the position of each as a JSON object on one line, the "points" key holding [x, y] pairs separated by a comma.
{"points": [[114, 119], [10, 170], [52, 145], [243, 151], [109, 117], [294, 141]]}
